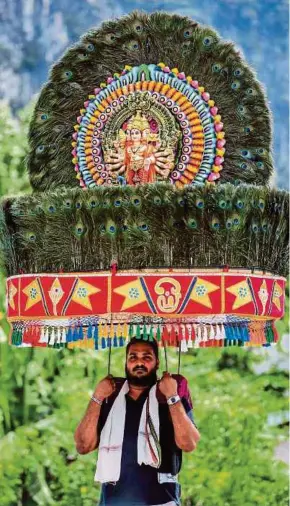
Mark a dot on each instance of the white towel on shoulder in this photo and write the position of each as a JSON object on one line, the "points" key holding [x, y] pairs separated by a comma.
{"points": [[112, 436]]}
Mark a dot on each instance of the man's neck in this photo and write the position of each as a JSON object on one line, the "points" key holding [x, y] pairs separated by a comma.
{"points": [[136, 391]]}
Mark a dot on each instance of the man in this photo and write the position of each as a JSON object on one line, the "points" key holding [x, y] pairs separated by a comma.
{"points": [[141, 427]]}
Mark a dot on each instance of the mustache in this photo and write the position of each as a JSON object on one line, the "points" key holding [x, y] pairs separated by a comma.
{"points": [[140, 368]]}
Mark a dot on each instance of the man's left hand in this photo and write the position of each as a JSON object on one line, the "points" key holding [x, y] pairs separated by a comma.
{"points": [[168, 385]]}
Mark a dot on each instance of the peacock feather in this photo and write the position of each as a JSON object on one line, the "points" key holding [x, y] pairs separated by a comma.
{"points": [[138, 39]]}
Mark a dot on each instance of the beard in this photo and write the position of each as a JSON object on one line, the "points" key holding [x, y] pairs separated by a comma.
{"points": [[147, 380]]}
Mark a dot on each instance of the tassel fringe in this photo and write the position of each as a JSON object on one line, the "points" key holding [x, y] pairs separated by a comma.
{"points": [[105, 335]]}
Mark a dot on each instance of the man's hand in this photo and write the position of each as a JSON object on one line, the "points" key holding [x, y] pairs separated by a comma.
{"points": [[105, 388], [168, 385]]}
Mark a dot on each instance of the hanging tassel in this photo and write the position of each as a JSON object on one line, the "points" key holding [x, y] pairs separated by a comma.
{"points": [[63, 336], [212, 332], [52, 337], [183, 346], [158, 334], [90, 332], [131, 331], [197, 340], [205, 334], [96, 336], [103, 340], [189, 339], [58, 340], [151, 334]]}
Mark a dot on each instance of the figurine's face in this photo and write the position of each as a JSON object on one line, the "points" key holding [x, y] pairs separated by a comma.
{"points": [[135, 134], [146, 133]]}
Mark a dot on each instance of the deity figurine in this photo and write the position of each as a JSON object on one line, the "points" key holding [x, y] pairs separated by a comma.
{"points": [[138, 154]]}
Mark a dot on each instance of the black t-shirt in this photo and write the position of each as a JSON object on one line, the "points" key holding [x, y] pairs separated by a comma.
{"points": [[138, 485]]}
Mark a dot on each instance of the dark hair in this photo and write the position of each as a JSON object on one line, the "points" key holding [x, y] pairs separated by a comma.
{"points": [[153, 344]]}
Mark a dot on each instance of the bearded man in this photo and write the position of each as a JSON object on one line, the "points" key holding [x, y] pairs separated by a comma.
{"points": [[140, 426]]}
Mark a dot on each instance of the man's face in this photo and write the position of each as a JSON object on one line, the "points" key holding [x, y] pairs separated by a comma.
{"points": [[141, 365]]}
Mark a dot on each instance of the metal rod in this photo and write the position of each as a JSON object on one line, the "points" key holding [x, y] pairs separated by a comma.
{"points": [[165, 355], [110, 353], [179, 357]]}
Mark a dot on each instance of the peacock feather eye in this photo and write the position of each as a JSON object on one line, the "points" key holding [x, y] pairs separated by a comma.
{"points": [[229, 223], [240, 204], [132, 46], [92, 203], [110, 38], [90, 47], [248, 129], [143, 227], [265, 226], [222, 204], [216, 67], [51, 208], [261, 204], [157, 201], [241, 109], [215, 224], [102, 228], [79, 229], [181, 201], [78, 205], [192, 223], [235, 85], [238, 72], [243, 165], [255, 228], [117, 202], [124, 228], [260, 165], [246, 153], [250, 91], [67, 204], [199, 203], [44, 116], [236, 220], [67, 74], [208, 41], [187, 33], [40, 149], [31, 237], [261, 151], [106, 204], [112, 229], [136, 201], [138, 27]]}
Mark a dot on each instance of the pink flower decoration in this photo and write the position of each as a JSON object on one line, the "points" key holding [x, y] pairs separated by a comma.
{"points": [[79, 119], [86, 103], [218, 127], [218, 160], [110, 80], [97, 91], [166, 70], [181, 75], [205, 96], [194, 84], [214, 110], [220, 143], [74, 152], [75, 136], [213, 176]]}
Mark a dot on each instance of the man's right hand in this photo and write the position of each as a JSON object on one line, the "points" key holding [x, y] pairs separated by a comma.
{"points": [[105, 388]]}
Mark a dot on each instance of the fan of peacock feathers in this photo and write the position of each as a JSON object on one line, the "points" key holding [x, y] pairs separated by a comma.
{"points": [[177, 236], [139, 39]]}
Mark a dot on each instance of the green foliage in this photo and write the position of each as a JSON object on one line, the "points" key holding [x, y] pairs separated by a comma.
{"points": [[45, 394], [13, 150]]}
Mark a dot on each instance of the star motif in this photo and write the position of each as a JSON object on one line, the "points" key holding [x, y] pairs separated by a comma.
{"points": [[201, 291], [133, 293], [277, 294], [82, 292], [242, 292]]}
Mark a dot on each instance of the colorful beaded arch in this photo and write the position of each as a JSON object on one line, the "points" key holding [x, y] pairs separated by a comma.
{"points": [[151, 123]]}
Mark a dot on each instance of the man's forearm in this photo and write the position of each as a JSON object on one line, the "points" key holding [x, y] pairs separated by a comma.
{"points": [[185, 433], [86, 433]]}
